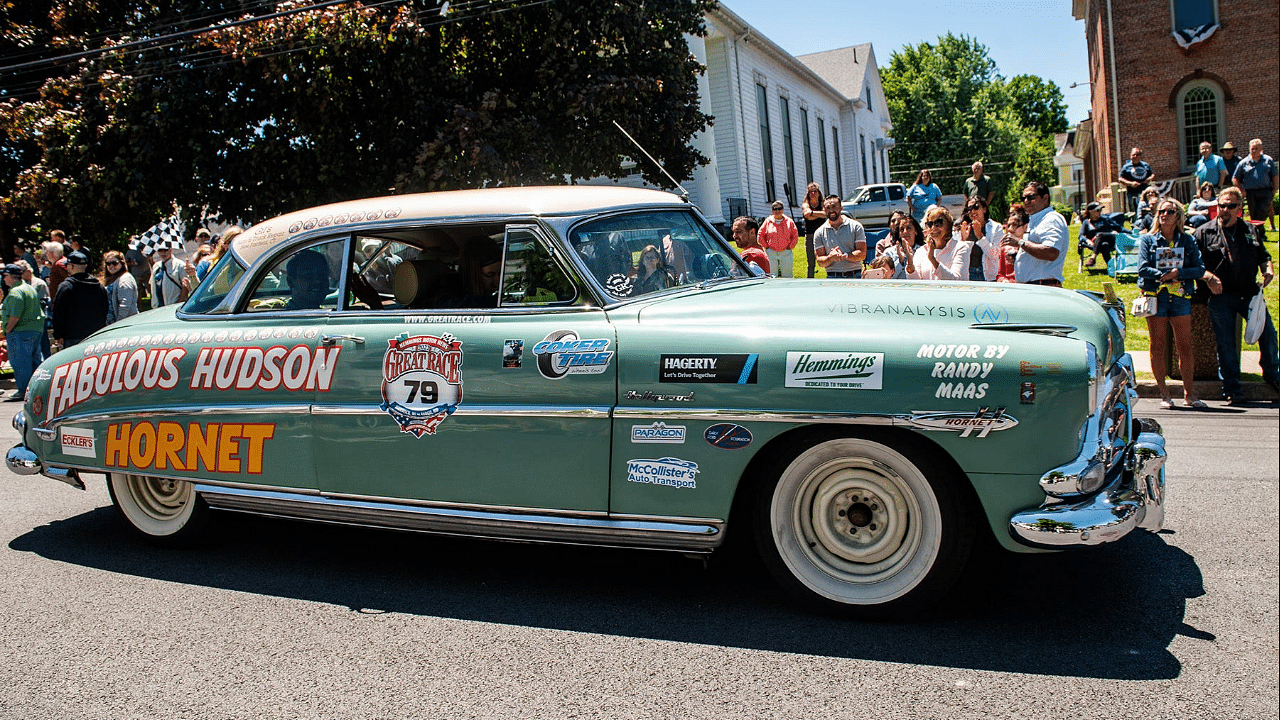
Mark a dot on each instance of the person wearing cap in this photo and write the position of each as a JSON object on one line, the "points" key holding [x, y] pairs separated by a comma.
{"points": [[22, 319], [169, 281], [779, 236], [1098, 235], [80, 306], [1229, 158]]}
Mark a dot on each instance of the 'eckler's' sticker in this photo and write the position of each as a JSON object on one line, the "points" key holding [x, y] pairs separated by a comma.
{"points": [[728, 436], [835, 370], [737, 369], [421, 381], [562, 353], [669, 471], [79, 442]]}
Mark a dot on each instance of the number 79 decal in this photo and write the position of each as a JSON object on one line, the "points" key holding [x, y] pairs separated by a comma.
{"points": [[421, 381]]}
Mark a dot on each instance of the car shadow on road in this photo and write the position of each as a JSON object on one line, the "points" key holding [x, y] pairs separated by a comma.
{"points": [[1108, 612]]}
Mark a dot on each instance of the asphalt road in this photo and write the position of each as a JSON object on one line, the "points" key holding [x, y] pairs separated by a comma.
{"points": [[277, 619]]}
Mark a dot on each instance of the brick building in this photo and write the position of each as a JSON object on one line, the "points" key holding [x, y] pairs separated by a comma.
{"points": [[1167, 75]]}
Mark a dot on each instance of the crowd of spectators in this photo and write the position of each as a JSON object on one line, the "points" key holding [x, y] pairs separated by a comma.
{"points": [[59, 292]]}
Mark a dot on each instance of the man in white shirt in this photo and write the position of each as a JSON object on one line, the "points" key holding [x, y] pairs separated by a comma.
{"points": [[169, 283], [1043, 251]]}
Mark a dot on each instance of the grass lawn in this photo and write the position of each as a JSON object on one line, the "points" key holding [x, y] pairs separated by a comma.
{"points": [[1092, 279]]}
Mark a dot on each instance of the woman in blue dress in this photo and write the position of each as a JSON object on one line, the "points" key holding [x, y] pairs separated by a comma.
{"points": [[922, 194]]}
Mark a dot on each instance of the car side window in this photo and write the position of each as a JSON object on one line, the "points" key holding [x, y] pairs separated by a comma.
{"points": [[530, 276], [897, 193], [303, 280], [877, 194]]}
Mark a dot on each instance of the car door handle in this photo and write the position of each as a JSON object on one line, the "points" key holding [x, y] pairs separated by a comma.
{"points": [[335, 339]]}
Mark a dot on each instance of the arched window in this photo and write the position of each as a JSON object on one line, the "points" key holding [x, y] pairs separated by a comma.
{"points": [[1199, 118]]}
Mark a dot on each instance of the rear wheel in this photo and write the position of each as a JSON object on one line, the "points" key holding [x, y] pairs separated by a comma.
{"points": [[853, 523], [162, 510]]}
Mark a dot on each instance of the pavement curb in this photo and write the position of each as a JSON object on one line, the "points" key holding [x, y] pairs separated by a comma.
{"points": [[1206, 389]]}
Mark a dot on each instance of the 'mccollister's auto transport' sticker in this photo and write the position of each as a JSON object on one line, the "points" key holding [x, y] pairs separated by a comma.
{"points": [[422, 381]]}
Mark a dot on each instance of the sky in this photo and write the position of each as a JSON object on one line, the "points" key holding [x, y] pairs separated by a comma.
{"points": [[1026, 37]]}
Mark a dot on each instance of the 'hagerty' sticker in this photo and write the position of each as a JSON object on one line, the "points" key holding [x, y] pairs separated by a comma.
{"points": [[737, 369], [835, 370], [669, 471], [421, 381]]}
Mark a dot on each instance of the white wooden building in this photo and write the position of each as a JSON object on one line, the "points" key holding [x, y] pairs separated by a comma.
{"points": [[781, 121]]}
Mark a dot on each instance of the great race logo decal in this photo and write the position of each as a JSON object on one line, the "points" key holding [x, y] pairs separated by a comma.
{"points": [[421, 381], [563, 353]]}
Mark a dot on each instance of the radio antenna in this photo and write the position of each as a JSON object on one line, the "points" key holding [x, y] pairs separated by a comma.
{"points": [[683, 193]]}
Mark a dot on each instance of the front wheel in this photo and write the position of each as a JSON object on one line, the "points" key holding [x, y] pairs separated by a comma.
{"points": [[168, 512], [854, 524]]}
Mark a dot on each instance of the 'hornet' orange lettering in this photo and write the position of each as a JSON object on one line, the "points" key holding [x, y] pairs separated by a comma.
{"points": [[216, 448]]}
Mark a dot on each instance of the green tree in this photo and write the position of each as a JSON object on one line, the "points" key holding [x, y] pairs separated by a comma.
{"points": [[331, 102], [950, 107]]}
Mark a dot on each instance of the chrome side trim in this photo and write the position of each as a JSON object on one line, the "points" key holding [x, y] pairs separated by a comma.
{"points": [[175, 411], [683, 534], [601, 412], [1037, 328], [780, 416]]}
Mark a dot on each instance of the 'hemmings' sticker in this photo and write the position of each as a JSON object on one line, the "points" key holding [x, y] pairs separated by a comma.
{"points": [[835, 370], [78, 441]]}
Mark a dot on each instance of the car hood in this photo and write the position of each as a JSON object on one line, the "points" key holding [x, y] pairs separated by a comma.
{"points": [[798, 307]]}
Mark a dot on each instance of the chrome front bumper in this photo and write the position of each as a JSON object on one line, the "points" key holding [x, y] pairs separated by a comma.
{"points": [[1134, 499], [21, 460], [1114, 486]]}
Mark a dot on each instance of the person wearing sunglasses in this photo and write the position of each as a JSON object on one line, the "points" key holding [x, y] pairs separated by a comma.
{"points": [[1043, 251], [122, 289], [944, 256], [1234, 254], [1168, 266]]}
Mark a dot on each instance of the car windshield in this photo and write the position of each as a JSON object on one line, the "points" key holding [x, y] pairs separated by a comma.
{"points": [[215, 286], [647, 252]]}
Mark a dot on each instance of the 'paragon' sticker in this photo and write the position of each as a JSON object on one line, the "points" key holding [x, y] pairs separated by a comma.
{"points": [[421, 381], [658, 432]]}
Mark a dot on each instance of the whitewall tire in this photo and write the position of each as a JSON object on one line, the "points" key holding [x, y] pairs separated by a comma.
{"points": [[162, 510]]}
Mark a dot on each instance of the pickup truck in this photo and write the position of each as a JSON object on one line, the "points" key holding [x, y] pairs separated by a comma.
{"points": [[872, 205]]}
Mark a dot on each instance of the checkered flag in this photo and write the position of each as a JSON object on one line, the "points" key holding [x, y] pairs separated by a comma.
{"points": [[166, 233]]}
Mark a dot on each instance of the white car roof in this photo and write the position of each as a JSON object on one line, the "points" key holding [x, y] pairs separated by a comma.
{"points": [[487, 203]]}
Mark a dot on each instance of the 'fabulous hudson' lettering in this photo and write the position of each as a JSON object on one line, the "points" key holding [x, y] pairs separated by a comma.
{"points": [[123, 371]]}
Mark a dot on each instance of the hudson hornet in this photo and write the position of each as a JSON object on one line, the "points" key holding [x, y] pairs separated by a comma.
{"points": [[596, 365]]}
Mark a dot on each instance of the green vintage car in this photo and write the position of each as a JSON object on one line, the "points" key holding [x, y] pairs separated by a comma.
{"points": [[596, 365]]}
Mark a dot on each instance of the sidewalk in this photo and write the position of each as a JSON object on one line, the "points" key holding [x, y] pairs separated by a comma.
{"points": [[1206, 389]]}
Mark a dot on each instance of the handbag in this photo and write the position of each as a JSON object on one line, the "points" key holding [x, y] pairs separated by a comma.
{"points": [[1255, 320], [1143, 306]]}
